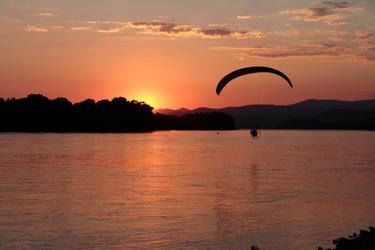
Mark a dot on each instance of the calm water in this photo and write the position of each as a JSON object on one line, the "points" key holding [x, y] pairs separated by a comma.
{"points": [[191, 189]]}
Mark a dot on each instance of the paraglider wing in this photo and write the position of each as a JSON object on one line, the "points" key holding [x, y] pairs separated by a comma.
{"points": [[249, 70]]}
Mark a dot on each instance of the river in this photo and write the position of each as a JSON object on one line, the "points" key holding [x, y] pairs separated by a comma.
{"points": [[286, 189]]}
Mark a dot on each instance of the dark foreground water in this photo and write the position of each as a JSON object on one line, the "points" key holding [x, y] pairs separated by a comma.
{"points": [[191, 189]]}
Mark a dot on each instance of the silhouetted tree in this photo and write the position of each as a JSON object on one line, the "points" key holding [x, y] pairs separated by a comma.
{"points": [[38, 113], [61, 112], [365, 240]]}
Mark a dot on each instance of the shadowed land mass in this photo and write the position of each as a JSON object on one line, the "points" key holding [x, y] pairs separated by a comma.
{"points": [[365, 240], [37, 113], [308, 114]]}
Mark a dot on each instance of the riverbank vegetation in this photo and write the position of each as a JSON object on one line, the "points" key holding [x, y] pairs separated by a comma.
{"points": [[37, 113]]}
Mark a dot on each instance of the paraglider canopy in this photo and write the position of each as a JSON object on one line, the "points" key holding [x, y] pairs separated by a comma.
{"points": [[248, 70]]}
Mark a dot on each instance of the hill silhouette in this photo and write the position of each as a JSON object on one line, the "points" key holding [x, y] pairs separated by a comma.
{"points": [[37, 113], [308, 114]]}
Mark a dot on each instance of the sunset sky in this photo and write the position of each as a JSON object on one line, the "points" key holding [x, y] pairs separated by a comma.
{"points": [[172, 53]]}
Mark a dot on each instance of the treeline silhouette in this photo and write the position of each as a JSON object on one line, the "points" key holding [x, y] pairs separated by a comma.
{"points": [[37, 113], [365, 240]]}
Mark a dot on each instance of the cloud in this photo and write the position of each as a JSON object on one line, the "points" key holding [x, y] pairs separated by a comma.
{"points": [[287, 33], [57, 27], [32, 28], [304, 51], [243, 17], [172, 29], [325, 11], [331, 32], [281, 53], [363, 35], [318, 44], [367, 57], [216, 32], [44, 14], [221, 25], [334, 5], [336, 39], [109, 31], [230, 48], [80, 28], [345, 6], [105, 27], [366, 46], [337, 50], [161, 27], [255, 34], [222, 33], [7, 19]]}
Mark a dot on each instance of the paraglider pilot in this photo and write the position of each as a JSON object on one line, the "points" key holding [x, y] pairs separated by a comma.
{"points": [[254, 132]]}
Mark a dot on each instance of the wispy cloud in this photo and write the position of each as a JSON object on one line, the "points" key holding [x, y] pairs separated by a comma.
{"points": [[107, 27], [363, 35], [221, 25], [331, 32], [243, 17], [7, 19], [319, 44], [365, 45], [32, 28], [216, 32], [284, 52], [366, 52], [222, 33], [326, 11], [365, 57], [105, 22], [287, 33], [109, 31], [172, 29], [338, 5], [45, 14], [306, 49], [80, 28], [255, 34], [57, 27], [161, 27]]}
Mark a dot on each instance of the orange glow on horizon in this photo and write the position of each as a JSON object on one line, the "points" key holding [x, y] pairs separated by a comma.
{"points": [[148, 99]]}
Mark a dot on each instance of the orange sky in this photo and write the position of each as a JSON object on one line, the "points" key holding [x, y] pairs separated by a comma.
{"points": [[172, 54]]}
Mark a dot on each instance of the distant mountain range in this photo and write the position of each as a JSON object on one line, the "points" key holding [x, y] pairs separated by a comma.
{"points": [[308, 114]]}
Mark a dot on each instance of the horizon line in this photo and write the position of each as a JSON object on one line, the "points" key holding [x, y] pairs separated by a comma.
{"points": [[199, 107]]}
